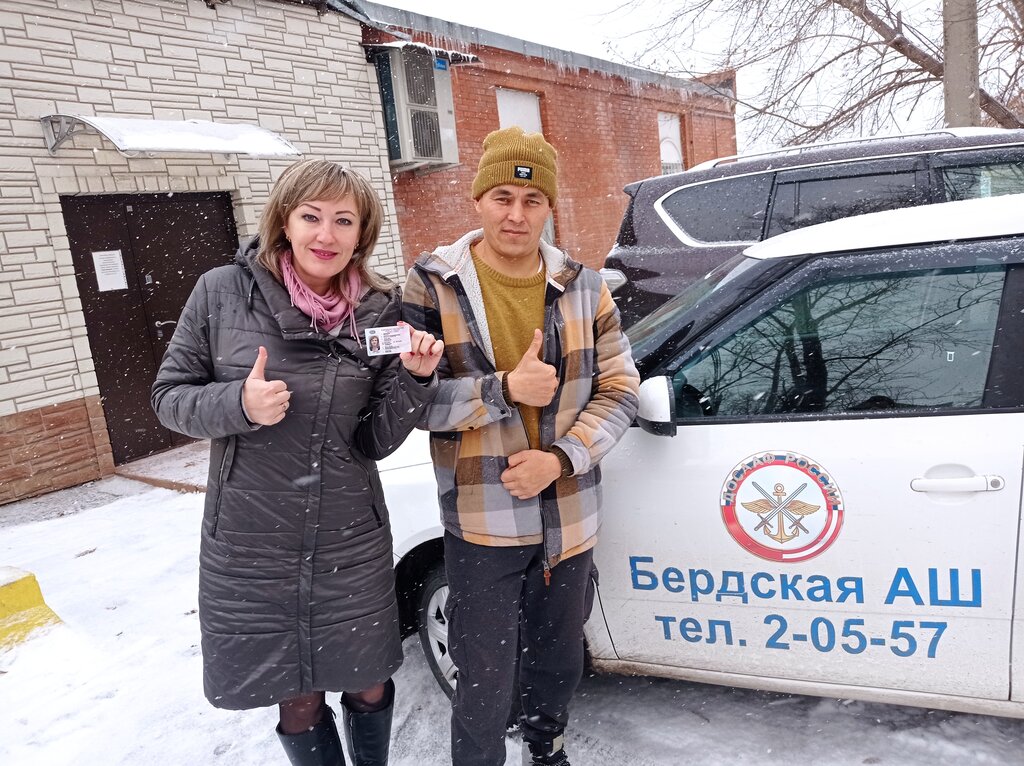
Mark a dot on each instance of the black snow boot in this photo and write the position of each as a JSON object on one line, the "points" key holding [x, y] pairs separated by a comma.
{"points": [[319, 746], [542, 741], [368, 735], [534, 755]]}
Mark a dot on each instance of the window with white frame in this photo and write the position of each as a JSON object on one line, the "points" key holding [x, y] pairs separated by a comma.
{"points": [[518, 107], [670, 140]]}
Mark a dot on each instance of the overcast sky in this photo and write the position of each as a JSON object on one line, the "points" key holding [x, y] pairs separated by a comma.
{"points": [[608, 29], [614, 30], [602, 28], [578, 25]]}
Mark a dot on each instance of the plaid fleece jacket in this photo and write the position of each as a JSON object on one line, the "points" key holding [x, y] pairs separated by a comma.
{"points": [[474, 430]]}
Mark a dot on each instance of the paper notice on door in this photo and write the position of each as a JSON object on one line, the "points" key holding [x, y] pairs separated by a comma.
{"points": [[109, 270]]}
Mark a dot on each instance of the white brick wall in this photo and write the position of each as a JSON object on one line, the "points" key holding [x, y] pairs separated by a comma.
{"points": [[270, 63]]}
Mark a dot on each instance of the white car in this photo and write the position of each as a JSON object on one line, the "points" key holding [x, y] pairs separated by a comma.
{"points": [[822, 492]]}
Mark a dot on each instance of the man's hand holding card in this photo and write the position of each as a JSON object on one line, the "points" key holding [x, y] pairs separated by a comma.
{"points": [[420, 351]]}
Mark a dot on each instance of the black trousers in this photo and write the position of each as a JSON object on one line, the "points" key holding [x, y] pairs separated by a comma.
{"points": [[498, 604]]}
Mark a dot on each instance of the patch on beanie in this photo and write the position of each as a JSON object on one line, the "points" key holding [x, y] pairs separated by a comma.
{"points": [[524, 172]]}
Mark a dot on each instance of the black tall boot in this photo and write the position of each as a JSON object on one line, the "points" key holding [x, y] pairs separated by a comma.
{"points": [[368, 735], [319, 746]]}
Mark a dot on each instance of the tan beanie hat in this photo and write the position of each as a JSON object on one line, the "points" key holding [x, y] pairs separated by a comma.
{"points": [[514, 157]]}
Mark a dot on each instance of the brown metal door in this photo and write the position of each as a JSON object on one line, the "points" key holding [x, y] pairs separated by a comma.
{"points": [[165, 243]]}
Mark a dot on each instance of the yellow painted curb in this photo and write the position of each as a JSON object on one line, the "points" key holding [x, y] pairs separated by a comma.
{"points": [[22, 609]]}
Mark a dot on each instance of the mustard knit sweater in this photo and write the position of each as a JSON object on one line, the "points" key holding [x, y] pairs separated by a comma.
{"points": [[515, 308]]}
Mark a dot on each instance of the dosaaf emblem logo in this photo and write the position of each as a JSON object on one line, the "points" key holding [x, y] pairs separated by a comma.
{"points": [[782, 506]]}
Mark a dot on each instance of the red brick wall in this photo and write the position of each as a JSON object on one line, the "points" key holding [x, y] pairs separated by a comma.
{"points": [[53, 447], [606, 133], [707, 135]]}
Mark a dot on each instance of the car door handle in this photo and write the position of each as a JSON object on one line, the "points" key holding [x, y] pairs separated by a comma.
{"points": [[963, 484]]}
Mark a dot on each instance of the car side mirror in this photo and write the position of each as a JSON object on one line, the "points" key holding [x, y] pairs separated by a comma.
{"points": [[657, 413]]}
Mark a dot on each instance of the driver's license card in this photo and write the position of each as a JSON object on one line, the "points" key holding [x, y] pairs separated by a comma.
{"points": [[388, 340]]}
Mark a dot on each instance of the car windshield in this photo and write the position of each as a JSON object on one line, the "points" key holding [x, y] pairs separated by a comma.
{"points": [[651, 331]]}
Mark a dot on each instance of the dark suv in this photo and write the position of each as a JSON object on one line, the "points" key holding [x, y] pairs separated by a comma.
{"points": [[677, 227]]}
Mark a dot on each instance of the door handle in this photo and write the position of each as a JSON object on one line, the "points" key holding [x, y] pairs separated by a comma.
{"points": [[159, 324], [962, 484]]}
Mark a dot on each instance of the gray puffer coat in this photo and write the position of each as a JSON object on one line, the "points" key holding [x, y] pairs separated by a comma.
{"points": [[296, 581]]}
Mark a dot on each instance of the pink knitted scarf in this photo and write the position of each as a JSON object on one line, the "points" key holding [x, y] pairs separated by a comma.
{"points": [[325, 311]]}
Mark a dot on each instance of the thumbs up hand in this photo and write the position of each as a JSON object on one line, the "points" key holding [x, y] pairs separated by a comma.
{"points": [[533, 382], [265, 401]]}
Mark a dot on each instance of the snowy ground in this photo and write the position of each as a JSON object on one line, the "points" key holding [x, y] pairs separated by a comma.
{"points": [[119, 681]]}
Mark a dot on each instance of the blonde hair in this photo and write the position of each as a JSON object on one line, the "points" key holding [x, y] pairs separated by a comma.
{"points": [[321, 180]]}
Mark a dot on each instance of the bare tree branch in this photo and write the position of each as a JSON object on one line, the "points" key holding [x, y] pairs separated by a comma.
{"points": [[836, 66], [933, 66]]}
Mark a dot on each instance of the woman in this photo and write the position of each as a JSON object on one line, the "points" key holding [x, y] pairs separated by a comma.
{"points": [[296, 589]]}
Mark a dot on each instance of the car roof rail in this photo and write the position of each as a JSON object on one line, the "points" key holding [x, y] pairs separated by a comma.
{"points": [[800, 148]]}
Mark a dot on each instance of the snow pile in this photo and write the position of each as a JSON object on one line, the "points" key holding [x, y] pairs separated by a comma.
{"points": [[120, 681]]}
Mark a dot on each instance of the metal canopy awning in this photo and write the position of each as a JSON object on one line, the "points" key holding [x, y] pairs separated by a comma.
{"points": [[452, 57], [133, 137]]}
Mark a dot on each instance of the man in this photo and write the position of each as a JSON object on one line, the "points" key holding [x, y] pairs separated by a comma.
{"points": [[536, 385]]}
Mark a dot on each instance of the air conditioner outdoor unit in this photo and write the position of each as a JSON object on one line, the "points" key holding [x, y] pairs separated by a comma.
{"points": [[419, 115]]}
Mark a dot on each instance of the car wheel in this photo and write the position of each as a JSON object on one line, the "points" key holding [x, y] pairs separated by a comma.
{"points": [[433, 628]]}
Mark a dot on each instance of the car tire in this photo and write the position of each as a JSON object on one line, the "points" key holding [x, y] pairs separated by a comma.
{"points": [[433, 632], [433, 628]]}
